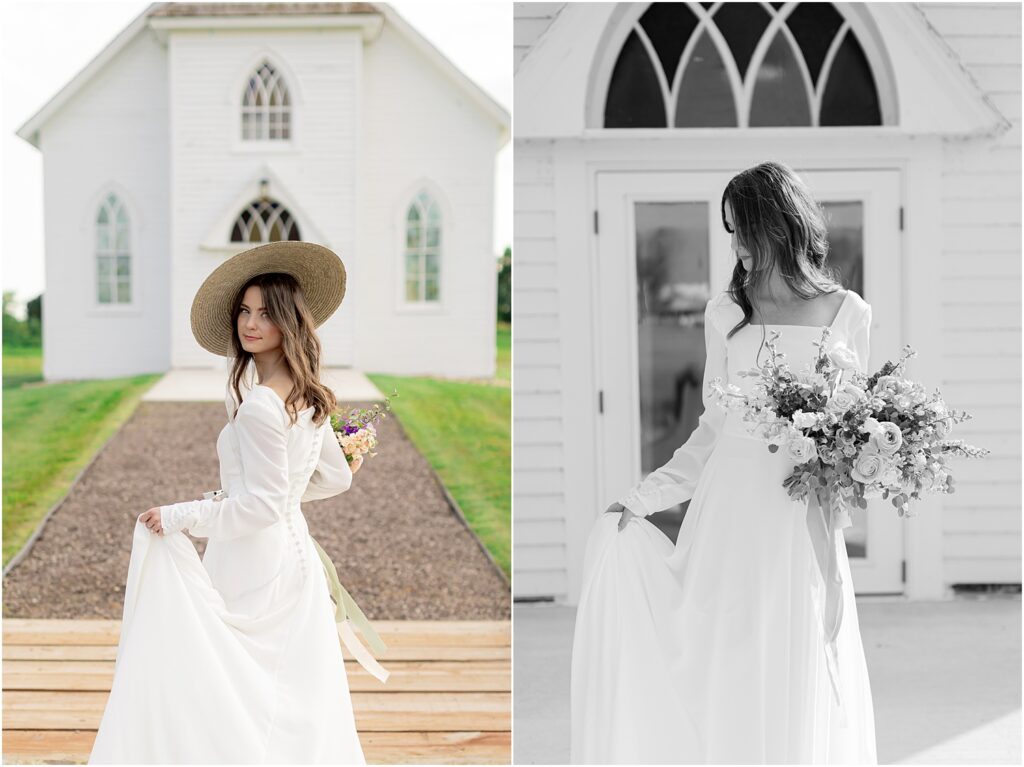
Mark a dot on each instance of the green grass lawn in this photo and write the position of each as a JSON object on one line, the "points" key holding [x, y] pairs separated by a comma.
{"points": [[504, 369], [465, 431], [22, 365], [50, 432]]}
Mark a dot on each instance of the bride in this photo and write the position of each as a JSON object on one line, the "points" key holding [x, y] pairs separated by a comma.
{"points": [[235, 658], [722, 648]]}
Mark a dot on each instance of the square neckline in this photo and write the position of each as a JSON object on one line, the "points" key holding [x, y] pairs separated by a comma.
{"points": [[831, 325]]}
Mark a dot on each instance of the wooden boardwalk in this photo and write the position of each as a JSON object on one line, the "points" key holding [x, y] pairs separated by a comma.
{"points": [[448, 700]]}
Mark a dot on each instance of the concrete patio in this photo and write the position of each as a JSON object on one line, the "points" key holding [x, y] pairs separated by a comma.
{"points": [[945, 678], [207, 385]]}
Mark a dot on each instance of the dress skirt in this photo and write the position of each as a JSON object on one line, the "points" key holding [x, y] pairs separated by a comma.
{"points": [[712, 650], [248, 675]]}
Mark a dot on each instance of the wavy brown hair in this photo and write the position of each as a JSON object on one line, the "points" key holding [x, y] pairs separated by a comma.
{"points": [[286, 307], [782, 226]]}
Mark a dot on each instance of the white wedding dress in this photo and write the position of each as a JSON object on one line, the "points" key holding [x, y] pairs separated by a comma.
{"points": [[715, 649], [235, 658]]}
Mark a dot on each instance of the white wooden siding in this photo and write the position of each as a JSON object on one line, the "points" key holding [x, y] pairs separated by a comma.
{"points": [[112, 136], [417, 128], [211, 166], [981, 261], [539, 531], [531, 21]]}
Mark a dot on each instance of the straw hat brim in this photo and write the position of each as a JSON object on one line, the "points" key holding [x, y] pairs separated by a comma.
{"points": [[318, 270]]}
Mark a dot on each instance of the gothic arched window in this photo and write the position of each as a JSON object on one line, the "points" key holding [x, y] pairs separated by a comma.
{"points": [[113, 253], [698, 65], [264, 221], [423, 250], [266, 106]]}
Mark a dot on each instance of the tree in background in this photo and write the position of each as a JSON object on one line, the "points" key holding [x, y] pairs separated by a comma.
{"points": [[505, 287], [27, 332]]}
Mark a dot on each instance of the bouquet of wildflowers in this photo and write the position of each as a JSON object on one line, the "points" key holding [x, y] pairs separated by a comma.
{"points": [[356, 432], [851, 436]]}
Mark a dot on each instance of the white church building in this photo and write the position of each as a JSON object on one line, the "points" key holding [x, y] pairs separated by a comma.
{"points": [[904, 119], [203, 129]]}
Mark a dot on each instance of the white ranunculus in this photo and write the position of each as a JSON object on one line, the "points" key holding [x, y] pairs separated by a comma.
{"points": [[889, 438], [804, 420]]}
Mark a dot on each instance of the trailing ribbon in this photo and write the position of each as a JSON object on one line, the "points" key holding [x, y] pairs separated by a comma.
{"points": [[822, 525], [347, 614]]}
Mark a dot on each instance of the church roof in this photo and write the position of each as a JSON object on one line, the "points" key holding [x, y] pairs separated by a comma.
{"points": [[165, 15]]}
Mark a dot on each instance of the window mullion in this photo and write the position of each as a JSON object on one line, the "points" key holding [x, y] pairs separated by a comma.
{"points": [[757, 58], [684, 61], [658, 71], [826, 65]]}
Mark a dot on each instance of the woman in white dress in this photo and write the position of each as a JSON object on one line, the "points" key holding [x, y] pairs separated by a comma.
{"points": [[235, 658], [724, 647]]}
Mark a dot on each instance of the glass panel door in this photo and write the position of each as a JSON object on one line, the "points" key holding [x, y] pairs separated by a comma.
{"points": [[672, 279]]}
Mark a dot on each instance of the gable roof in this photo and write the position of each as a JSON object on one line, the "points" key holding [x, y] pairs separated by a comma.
{"points": [[169, 15]]}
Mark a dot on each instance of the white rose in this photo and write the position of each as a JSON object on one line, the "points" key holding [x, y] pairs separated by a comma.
{"points": [[869, 465], [801, 449], [842, 356], [845, 398]]}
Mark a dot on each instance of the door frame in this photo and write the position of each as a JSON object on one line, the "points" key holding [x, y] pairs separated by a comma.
{"points": [[879, 190]]}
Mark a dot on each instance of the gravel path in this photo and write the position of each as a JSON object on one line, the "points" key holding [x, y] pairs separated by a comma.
{"points": [[400, 550]]}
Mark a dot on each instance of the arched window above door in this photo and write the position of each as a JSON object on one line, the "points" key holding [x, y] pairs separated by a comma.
{"points": [[264, 220], [745, 65]]}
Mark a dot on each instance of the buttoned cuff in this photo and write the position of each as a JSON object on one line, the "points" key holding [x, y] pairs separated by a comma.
{"points": [[179, 516], [635, 504]]}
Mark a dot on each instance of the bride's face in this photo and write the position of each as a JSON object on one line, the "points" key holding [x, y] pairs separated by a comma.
{"points": [[255, 330], [741, 252]]}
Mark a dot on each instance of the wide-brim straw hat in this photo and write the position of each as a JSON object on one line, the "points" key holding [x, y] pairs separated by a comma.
{"points": [[318, 270]]}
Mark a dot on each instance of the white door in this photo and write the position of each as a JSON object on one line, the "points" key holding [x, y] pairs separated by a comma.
{"points": [[662, 253]]}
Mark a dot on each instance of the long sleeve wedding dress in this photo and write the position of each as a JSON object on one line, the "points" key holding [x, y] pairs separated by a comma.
{"points": [[235, 658], [716, 649]]}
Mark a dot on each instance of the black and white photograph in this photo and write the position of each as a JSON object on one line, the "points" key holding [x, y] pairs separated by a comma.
{"points": [[767, 383]]}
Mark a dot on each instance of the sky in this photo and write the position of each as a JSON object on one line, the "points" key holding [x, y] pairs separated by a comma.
{"points": [[45, 43]]}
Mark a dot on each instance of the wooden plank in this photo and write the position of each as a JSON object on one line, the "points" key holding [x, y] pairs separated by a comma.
{"points": [[59, 746], [398, 633], [976, 519], [981, 570], [543, 583], [539, 481], [546, 556], [419, 676], [981, 544], [109, 652], [386, 712], [986, 20]]}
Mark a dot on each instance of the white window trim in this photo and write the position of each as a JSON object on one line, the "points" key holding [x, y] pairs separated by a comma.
{"points": [[233, 97], [408, 197], [218, 236], [134, 307]]}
